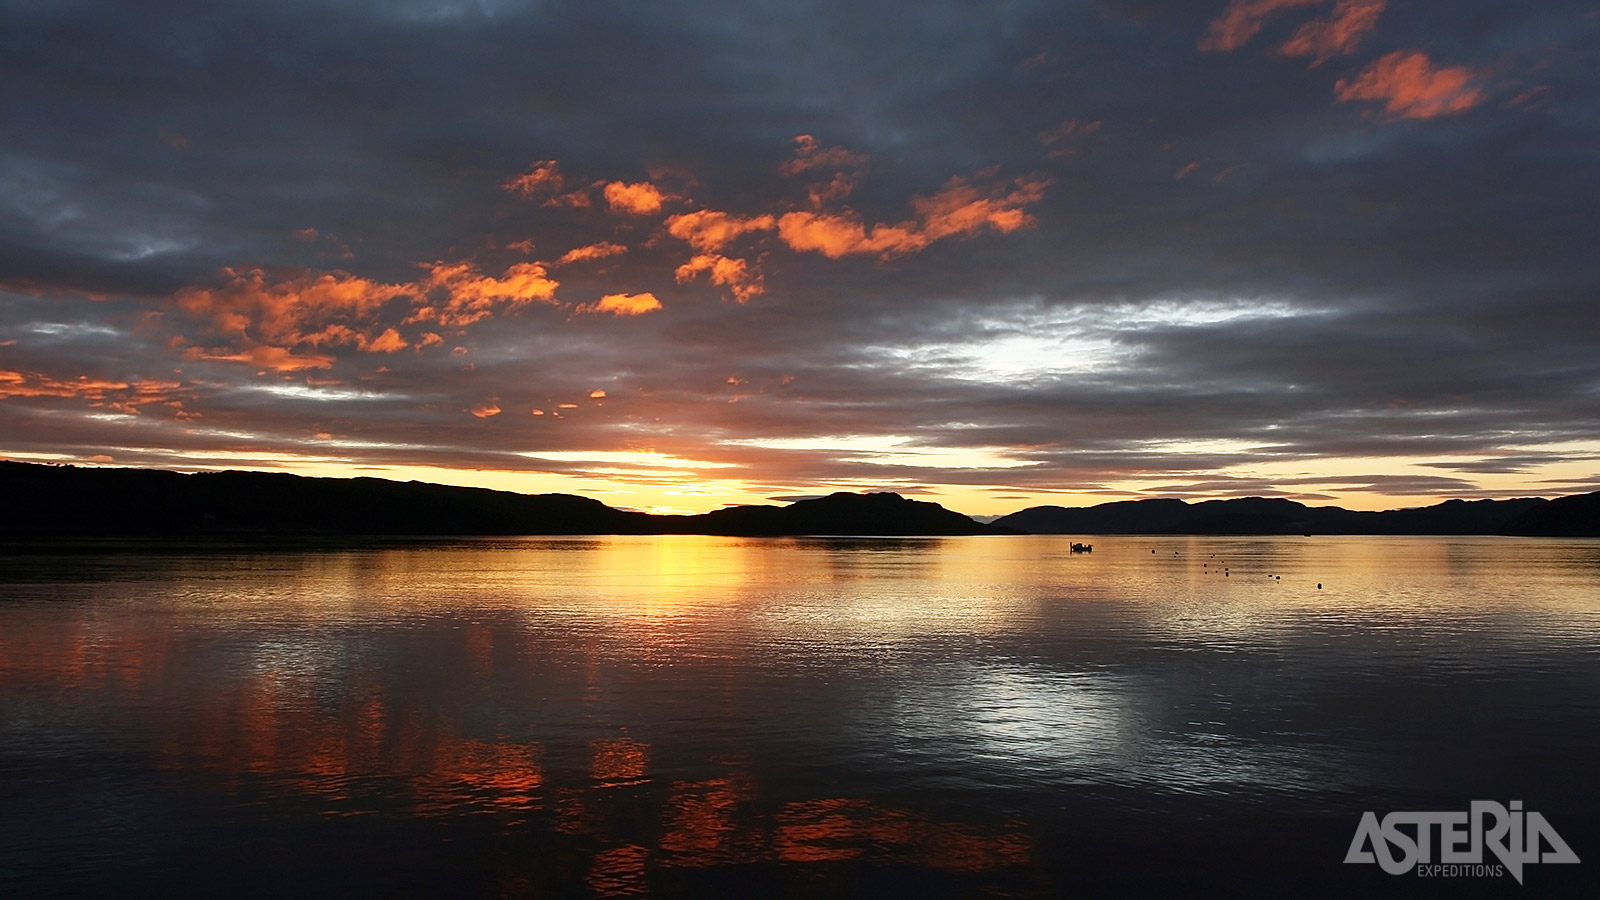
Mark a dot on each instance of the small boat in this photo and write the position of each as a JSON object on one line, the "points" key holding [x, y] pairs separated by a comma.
{"points": [[1081, 548]]}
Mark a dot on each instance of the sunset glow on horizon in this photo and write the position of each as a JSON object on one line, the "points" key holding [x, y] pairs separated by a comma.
{"points": [[695, 255]]}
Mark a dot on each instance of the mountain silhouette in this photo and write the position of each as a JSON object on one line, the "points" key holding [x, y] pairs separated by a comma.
{"points": [[65, 501], [843, 514], [69, 501], [1570, 516]]}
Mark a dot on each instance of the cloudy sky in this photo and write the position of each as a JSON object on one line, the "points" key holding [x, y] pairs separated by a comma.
{"points": [[679, 254]]}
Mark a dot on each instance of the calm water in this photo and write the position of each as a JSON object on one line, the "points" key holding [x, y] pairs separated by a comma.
{"points": [[692, 716]]}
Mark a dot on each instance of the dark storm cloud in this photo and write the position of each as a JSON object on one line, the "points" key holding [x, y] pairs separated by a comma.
{"points": [[1067, 233]]}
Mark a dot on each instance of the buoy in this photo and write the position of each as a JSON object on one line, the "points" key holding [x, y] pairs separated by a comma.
{"points": [[1319, 585]]}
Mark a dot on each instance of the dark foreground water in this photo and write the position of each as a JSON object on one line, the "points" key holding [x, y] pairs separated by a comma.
{"points": [[709, 717]]}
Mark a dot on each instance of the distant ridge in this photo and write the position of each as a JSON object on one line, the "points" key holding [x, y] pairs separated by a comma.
{"points": [[68, 501], [1576, 516]]}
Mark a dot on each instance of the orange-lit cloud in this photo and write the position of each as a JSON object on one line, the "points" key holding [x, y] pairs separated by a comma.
{"points": [[592, 251], [265, 321], [525, 246], [810, 154], [578, 199], [1241, 20], [471, 297], [1412, 88], [387, 342], [958, 209], [543, 177], [268, 357], [624, 304], [121, 396], [485, 410], [734, 274], [709, 230], [639, 199], [1339, 35], [316, 309], [836, 235], [836, 188], [962, 209], [19, 384]]}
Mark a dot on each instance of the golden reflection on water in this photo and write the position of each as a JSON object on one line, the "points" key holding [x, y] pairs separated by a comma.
{"points": [[519, 679]]}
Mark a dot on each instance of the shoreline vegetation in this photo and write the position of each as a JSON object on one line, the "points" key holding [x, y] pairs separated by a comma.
{"points": [[63, 501]]}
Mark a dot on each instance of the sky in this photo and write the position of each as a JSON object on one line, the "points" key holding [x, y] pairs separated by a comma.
{"points": [[676, 255]]}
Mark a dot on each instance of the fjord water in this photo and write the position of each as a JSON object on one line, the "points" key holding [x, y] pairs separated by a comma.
{"points": [[701, 716]]}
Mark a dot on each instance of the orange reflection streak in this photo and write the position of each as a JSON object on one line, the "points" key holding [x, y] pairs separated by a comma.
{"points": [[480, 647], [822, 830], [702, 823], [618, 761], [266, 727], [838, 829], [619, 871], [86, 660], [502, 774], [572, 815]]}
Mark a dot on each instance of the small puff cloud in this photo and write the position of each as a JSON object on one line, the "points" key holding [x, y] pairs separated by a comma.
{"points": [[734, 274], [591, 251], [623, 304], [1411, 87], [641, 199], [543, 177], [709, 230]]}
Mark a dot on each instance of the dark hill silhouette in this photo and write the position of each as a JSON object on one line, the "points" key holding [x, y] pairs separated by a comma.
{"points": [[67, 501], [1258, 515], [843, 514], [1577, 516]]}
